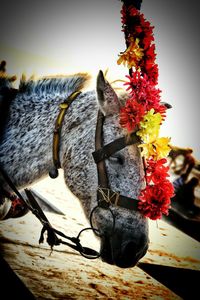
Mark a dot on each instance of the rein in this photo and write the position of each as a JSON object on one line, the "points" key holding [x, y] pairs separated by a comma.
{"points": [[34, 207], [52, 233]]}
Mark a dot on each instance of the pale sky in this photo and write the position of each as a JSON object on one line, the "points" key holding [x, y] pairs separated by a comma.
{"points": [[54, 37]]}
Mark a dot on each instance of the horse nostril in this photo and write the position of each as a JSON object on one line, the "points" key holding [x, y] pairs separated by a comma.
{"points": [[128, 255], [129, 249]]}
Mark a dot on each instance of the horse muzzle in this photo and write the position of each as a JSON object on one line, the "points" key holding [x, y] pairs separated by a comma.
{"points": [[126, 255]]}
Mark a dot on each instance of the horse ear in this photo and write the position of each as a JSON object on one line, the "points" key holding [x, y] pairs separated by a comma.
{"points": [[107, 98]]}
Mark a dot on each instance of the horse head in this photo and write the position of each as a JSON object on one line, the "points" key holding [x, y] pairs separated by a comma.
{"points": [[123, 232], [126, 241]]}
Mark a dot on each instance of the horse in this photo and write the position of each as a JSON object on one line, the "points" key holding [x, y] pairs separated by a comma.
{"points": [[26, 155]]}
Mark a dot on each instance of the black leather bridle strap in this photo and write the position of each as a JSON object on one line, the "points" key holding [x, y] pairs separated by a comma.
{"points": [[101, 167], [115, 146], [105, 195]]}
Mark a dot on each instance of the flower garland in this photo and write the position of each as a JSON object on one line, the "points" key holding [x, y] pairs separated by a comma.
{"points": [[144, 113]]}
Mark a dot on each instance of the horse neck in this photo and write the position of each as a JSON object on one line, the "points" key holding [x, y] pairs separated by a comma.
{"points": [[26, 147]]}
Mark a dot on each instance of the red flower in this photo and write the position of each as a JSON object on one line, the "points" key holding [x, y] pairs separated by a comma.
{"points": [[150, 54], [162, 110], [156, 171], [144, 96], [133, 11], [138, 29], [147, 38], [131, 114], [124, 15], [135, 26], [151, 70], [155, 200], [144, 91]]}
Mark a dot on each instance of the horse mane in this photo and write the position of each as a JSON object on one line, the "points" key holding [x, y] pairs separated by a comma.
{"points": [[54, 84]]}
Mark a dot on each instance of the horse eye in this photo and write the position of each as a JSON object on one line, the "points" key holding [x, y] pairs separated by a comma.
{"points": [[116, 158]]}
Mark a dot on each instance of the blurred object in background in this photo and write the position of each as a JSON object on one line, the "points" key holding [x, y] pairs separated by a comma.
{"points": [[181, 160], [185, 171]]}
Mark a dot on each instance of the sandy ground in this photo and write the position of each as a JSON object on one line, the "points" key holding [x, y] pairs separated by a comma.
{"points": [[64, 274]]}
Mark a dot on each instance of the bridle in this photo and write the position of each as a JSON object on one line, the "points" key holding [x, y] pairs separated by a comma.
{"points": [[105, 196]]}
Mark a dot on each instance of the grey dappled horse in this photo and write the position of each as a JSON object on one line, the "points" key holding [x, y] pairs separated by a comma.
{"points": [[26, 155]]}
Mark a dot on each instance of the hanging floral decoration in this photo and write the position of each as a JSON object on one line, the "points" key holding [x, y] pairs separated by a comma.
{"points": [[144, 112]]}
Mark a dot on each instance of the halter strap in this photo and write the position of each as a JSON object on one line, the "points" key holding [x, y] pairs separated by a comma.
{"points": [[101, 167], [105, 195], [115, 146], [53, 173]]}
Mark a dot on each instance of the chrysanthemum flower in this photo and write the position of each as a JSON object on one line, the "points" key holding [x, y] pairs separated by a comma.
{"points": [[131, 114], [151, 69], [155, 200], [162, 147], [158, 149], [144, 112], [156, 171], [149, 126], [132, 55], [144, 91]]}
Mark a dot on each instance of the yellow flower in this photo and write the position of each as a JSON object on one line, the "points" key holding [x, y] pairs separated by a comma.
{"points": [[157, 149], [147, 150], [162, 147], [132, 55], [150, 126]]}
